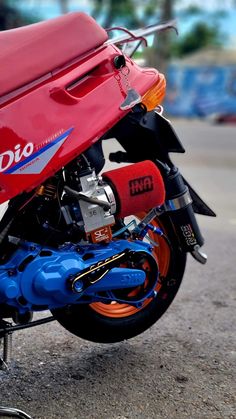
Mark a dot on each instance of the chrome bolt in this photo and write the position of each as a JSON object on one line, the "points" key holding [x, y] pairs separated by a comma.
{"points": [[78, 286]]}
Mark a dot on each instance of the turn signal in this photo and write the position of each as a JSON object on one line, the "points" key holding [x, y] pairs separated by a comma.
{"points": [[156, 94]]}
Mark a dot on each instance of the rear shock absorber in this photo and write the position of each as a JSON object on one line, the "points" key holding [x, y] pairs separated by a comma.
{"points": [[48, 190], [179, 205]]}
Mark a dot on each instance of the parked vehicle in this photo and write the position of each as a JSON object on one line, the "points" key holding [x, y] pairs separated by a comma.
{"points": [[104, 251]]}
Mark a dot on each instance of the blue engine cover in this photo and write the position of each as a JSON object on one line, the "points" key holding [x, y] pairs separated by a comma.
{"points": [[36, 278]]}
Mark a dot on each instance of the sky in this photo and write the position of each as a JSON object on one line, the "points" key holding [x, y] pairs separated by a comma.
{"points": [[208, 5], [44, 9], [85, 4]]}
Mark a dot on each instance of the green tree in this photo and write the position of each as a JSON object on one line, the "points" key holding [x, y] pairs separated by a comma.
{"points": [[10, 17], [136, 13], [201, 35], [159, 55], [118, 12]]}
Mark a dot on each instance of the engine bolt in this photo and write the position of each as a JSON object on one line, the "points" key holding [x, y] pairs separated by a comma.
{"points": [[78, 286]]}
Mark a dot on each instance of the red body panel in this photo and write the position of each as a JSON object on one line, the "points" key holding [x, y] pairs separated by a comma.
{"points": [[72, 108], [31, 51]]}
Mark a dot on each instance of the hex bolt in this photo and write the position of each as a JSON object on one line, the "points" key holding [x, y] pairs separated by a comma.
{"points": [[78, 286]]}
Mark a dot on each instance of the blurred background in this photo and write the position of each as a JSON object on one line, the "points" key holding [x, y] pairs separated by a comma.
{"points": [[200, 64]]}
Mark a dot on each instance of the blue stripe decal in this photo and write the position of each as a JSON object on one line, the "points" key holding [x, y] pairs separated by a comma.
{"points": [[37, 153]]}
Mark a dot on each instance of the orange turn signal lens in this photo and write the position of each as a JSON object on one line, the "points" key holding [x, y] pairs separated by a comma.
{"points": [[156, 94]]}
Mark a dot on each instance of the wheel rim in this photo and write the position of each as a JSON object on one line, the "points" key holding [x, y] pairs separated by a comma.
{"points": [[162, 255]]}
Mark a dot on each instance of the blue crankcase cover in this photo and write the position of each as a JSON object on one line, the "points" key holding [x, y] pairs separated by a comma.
{"points": [[36, 278]]}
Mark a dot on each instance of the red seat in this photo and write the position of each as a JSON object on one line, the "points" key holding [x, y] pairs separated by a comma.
{"points": [[32, 51]]}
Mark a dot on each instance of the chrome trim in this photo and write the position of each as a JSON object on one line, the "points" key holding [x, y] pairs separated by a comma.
{"points": [[179, 202], [140, 33], [111, 198], [159, 110], [11, 411], [199, 256]]}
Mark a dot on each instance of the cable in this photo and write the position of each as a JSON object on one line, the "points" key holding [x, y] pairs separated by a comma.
{"points": [[85, 198]]}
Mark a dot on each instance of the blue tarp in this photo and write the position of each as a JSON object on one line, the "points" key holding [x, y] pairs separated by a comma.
{"points": [[201, 91]]}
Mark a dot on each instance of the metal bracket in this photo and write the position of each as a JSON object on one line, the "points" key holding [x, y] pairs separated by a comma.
{"points": [[133, 36]]}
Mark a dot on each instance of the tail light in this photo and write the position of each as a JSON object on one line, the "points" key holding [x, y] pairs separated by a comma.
{"points": [[156, 94]]}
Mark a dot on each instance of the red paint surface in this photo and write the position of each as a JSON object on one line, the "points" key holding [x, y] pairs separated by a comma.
{"points": [[84, 95], [32, 51]]}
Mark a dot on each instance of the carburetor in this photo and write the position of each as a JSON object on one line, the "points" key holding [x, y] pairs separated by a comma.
{"points": [[118, 193], [98, 209]]}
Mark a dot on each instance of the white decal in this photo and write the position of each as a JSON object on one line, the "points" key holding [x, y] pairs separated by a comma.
{"points": [[9, 156]]}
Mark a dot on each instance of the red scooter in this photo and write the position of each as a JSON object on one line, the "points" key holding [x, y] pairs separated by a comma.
{"points": [[104, 252]]}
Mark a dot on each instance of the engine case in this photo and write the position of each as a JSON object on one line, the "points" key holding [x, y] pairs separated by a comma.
{"points": [[37, 278]]}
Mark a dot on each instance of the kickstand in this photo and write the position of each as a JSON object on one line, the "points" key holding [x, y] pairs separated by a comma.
{"points": [[13, 413], [6, 337]]}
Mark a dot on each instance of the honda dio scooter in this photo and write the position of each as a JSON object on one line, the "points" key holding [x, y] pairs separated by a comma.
{"points": [[103, 251]]}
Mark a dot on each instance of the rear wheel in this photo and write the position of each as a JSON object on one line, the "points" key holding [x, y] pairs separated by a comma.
{"points": [[106, 323]]}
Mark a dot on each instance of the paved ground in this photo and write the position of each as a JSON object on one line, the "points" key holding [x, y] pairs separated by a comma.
{"points": [[184, 366]]}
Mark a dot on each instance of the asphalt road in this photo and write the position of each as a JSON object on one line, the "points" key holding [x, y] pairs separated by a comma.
{"points": [[184, 366]]}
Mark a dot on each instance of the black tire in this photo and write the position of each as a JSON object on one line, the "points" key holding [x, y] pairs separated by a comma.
{"points": [[83, 321]]}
